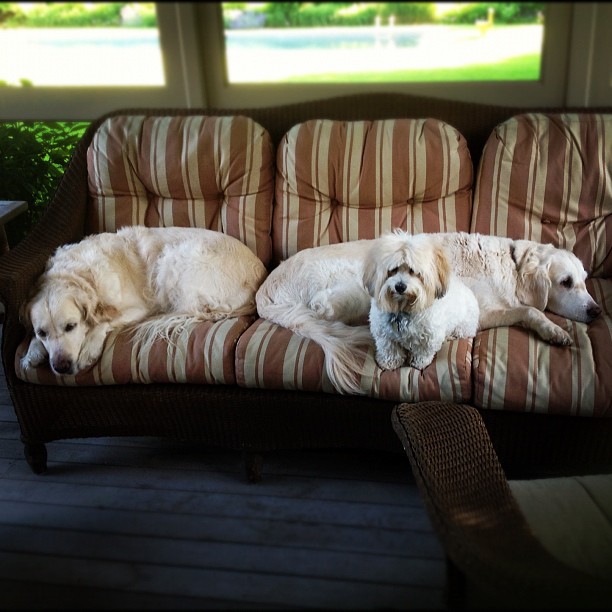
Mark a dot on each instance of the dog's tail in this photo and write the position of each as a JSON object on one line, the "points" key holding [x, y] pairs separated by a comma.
{"points": [[167, 327], [345, 346]]}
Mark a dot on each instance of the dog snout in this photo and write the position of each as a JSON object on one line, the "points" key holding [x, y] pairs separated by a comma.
{"points": [[400, 287], [62, 365], [593, 311]]}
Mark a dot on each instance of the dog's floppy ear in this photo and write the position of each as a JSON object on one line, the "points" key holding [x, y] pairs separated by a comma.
{"points": [[444, 270], [26, 307], [94, 311], [533, 281]]}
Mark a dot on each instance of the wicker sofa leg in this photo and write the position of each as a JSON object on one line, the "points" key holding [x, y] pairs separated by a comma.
{"points": [[36, 456]]}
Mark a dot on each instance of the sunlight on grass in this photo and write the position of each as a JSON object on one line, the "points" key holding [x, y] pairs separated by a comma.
{"points": [[522, 68]]}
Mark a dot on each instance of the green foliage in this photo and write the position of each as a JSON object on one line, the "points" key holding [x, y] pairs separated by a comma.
{"points": [[407, 13], [318, 14], [9, 11], [78, 14], [505, 12], [34, 158]]}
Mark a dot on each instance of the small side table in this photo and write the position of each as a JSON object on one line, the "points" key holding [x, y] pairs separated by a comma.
{"points": [[9, 209]]}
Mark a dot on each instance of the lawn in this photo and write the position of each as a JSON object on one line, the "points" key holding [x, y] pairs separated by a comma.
{"points": [[522, 68]]}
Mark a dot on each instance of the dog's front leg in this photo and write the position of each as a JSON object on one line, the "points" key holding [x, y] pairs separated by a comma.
{"points": [[92, 348], [529, 318], [35, 356], [390, 354]]}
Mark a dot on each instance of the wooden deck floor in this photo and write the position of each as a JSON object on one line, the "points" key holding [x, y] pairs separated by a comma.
{"points": [[144, 523]]}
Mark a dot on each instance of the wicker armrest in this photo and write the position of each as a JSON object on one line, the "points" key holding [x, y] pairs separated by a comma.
{"points": [[476, 517]]}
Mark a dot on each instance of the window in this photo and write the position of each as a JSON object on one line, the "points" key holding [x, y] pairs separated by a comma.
{"points": [[305, 42], [81, 44]]}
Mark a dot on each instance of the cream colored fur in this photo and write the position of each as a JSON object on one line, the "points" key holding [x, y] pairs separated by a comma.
{"points": [[516, 280], [116, 280]]}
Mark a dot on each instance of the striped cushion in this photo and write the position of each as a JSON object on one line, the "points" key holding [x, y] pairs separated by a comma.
{"points": [[271, 357], [203, 353], [188, 171], [547, 178], [341, 181]]}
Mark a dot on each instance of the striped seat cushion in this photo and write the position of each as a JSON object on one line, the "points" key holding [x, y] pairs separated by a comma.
{"points": [[271, 357], [340, 181], [203, 353], [188, 171], [547, 178]]}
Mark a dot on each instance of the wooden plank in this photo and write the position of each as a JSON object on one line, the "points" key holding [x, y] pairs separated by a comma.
{"points": [[282, 558], [260, 587], [30, 595], [254, 528]]}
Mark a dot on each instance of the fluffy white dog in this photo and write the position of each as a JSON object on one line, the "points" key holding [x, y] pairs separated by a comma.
{"points": [[417, 302], [114, 280]]}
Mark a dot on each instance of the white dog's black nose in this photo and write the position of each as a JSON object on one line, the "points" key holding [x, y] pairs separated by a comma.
{"points": [[593, 311], [62, 365], [400, 287]]}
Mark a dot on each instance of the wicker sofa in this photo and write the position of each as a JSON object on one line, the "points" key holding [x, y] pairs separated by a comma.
{"points": [[288, 177]]}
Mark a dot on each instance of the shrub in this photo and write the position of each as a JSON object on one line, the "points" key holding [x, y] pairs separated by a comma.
{"points": [[505, 12], [78, 14], [34, 157], [311, 14]]}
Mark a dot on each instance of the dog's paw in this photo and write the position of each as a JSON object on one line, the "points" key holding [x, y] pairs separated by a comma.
{"points": [[420, 362], [322, 307], [390, 362], [35, 356], [553, 334]]}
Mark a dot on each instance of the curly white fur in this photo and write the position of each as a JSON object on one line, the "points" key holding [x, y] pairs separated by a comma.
{"points": [[417, 303]]}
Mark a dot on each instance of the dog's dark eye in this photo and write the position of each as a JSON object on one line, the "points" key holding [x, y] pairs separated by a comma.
{"points": [[41, 333], [567, 282], [393, 271], [69, 327]]}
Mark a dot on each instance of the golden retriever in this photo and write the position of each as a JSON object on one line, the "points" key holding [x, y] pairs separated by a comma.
{"points": [[111, 280]]}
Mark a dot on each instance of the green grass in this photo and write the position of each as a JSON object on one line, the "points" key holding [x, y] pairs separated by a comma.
{"points": [[520, 68]]}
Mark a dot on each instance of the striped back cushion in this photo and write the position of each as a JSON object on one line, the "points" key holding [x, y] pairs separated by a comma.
{"points": [[341, 181], [548, 178], [189, 171]]}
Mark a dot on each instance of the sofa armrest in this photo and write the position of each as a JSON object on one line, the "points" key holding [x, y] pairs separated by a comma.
{"points": [[476, 516]]}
